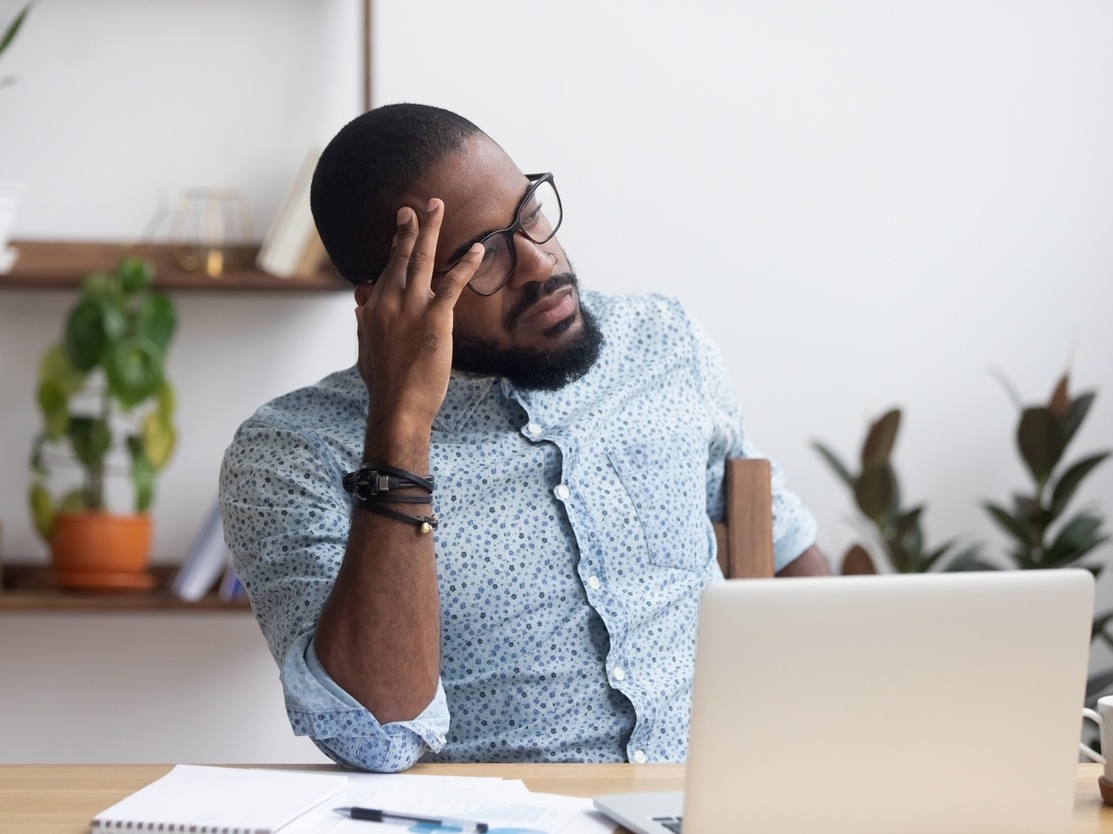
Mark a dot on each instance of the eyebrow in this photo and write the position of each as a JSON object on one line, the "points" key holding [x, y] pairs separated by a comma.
{"points": [[462, 250]]}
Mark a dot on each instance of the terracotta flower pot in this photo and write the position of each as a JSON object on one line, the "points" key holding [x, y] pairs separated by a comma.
{"points": [[101, 550]]}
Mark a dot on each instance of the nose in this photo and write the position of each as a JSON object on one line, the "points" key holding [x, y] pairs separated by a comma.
{"points": [[533, 262]]}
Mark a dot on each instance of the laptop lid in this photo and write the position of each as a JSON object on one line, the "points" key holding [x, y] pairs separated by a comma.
{"points": [[919, 704]]}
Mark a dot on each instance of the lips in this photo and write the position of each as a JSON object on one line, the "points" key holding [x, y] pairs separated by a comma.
{"points": [[551, 309]]}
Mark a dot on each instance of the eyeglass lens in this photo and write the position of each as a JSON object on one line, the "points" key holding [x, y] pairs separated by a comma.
{"points": [[538, 218]]}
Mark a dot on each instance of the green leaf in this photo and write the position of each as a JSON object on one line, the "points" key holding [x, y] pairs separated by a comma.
{"points": [[135, 274], [881, 438], [158, 439], [834, 462], [873, 491], [55, 367], [1078, 537], [142, 475], [92, 326], [909, 522], [1076, 414], [1040, 438], [1068, 483], [1025, 507], [1017, 529], [13, 28], [155, 320], [910, 547], [54, 403], [167, 400], [91, 439], [104, 285], [133, 367], [969, 558], [42, 510]]}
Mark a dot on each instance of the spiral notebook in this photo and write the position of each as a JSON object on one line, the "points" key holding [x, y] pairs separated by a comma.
{"points": [[200, 799]]}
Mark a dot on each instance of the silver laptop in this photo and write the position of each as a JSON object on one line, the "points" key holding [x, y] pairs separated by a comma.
{"points": [[920, 704]]}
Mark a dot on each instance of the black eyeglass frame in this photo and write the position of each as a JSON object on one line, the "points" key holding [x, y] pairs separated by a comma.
{"points": [[536, 181]]}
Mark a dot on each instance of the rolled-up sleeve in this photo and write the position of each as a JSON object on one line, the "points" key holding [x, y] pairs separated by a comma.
{"points": [[286, 521], [346, 730]]}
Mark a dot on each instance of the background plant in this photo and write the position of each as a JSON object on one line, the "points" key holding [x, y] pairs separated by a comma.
{"points": [[1042, 535], [896, 531], [9, 35], [102, 393]]}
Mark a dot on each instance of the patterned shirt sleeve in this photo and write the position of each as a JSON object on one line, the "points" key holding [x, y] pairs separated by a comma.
{"points": [[286, 522]]}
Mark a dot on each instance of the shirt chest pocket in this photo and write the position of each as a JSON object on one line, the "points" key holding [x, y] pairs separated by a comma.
{"points": [[665, 483]]}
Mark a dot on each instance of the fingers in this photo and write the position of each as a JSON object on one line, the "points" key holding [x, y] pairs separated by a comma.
{"points": [[419, 272], [410, 269], [452, 283]]}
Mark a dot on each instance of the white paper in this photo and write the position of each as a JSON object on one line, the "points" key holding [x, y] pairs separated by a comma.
{"points": [[505, 805]]}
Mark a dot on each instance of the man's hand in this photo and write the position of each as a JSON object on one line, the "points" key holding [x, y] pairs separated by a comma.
{"points": [[405, 329]]}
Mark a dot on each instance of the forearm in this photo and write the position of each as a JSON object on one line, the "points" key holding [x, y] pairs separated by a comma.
{"points": [[378, 636]]}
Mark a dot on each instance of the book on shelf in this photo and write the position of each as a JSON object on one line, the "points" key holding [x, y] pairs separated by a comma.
{"points": [[292, 247], [207, 561]]}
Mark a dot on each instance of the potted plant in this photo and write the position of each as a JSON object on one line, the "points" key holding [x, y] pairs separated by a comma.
{"points": [[107, 409], [896, 531]]}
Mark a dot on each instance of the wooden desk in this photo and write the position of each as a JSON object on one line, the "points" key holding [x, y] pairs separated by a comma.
{"points": [[62, 799]]}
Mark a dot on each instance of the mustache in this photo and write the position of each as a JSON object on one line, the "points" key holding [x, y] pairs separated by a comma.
{"points": [[534, 292]]}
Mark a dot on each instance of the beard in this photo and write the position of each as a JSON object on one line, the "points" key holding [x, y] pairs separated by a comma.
{"points": [[533, 368]]}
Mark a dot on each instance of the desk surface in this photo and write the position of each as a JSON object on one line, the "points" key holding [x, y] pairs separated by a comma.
{"points": [[62, 799]]}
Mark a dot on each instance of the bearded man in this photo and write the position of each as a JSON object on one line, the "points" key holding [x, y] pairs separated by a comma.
{"points": [[486, 541]]}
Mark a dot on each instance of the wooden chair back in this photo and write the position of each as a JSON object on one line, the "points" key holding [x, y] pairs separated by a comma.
{"points": [[745, 534]]}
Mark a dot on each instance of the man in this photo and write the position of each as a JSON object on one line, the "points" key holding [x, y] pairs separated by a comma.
{"points": [[567, 448]]}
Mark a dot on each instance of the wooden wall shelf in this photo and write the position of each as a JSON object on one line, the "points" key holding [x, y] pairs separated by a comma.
{"points": [[26, 587], [63, 265]]}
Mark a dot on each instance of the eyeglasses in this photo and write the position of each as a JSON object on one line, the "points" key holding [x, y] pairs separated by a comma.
{"points": [[538, 217]]}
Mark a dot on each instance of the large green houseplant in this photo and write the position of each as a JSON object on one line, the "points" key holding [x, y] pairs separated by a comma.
{"points": [[107, 409], [893, 532]]}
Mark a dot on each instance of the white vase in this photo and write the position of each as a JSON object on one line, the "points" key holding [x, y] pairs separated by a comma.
{"points": [[10, 193]]}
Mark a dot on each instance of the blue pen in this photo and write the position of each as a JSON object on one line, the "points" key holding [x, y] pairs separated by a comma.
{"points": [[375, 815]]}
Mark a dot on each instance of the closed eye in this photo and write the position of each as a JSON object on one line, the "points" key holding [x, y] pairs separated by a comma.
{"points": [[534, 215]]}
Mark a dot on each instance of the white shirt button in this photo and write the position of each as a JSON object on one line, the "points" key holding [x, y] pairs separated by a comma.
{"points": [[619, 673], [534, 429], [561, 491], [640, 757], [593, 582]]}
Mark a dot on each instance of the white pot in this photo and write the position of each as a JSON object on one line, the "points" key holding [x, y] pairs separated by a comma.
{"points": [[10, 194]]}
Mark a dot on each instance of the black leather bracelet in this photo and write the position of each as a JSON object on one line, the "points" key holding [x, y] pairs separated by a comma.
{"points": [[423, 523], [368, 483]]}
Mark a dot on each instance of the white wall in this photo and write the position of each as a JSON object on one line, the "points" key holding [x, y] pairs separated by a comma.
{"points": [[866, 203]]}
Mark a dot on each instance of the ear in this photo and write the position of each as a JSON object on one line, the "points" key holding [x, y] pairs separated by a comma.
{"points": [[363, 292]]}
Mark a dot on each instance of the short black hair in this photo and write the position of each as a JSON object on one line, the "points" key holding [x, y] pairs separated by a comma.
{"points": [[365, 170]]}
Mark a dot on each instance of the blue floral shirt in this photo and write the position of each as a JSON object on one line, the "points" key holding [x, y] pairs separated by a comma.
{"points": [[575, 538]]}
